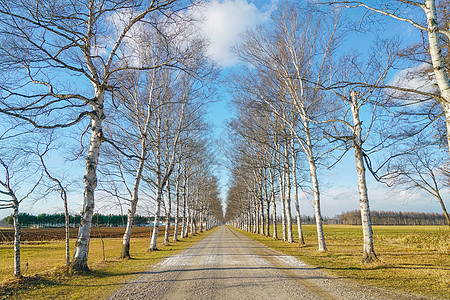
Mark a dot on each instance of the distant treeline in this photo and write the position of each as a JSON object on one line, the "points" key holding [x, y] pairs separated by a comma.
{"points": [[379, 218], [311, 220], [346, 218], [393, 218], [58, 220]]}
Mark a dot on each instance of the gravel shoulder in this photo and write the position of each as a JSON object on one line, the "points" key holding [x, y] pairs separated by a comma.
{"points": [[228, 265]]}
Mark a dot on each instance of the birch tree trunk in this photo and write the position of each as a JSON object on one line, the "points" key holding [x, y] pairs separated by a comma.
{"points": [[168, 211], [368, 251], [159, 191], [183, 223], [177, 207], [16, 224], [195, 218], [301, 239], [315, 186], [317, 212], [186, 228], [267, 216], [257, 215], [155, 231], [188, 220], [159, 181], [261, 204], [274, 206], [437, 60], [283, 203], [191, 220], [133, 205], [79, 261], [441, 201], [290, 237], [67, 228]]}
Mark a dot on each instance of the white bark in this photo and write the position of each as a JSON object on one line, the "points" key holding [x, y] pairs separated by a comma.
{"points": [[67, 227], [290, 237], [191, 220], [155, 231], [301, 239], [16, 225], [258, 214], [133, 204], [368, 251], [177, 206], [282, 192], [185, 195], [434, 48], [283, 205], [274, 206], [437, 60], [79, 261], [267, 216], [315, 186], [168, 212]]}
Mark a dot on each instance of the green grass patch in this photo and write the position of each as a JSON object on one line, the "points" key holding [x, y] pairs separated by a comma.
{"points": [[413, 259], [46, 278]]}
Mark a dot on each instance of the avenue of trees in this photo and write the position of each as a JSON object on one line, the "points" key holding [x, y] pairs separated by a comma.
{"points": [[120, 85], [303, 103]]}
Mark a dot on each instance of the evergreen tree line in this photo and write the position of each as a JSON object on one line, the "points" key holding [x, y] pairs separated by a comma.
{"points": [[57, 220], [346, 218]]}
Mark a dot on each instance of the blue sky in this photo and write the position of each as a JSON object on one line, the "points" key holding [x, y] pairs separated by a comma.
{"points": [[224, 22], [339, 185]]}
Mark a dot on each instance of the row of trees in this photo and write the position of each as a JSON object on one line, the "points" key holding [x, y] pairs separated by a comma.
{"points": [[347, 218], [302, 104], [125, 79], [393, 218], [58, 220]]}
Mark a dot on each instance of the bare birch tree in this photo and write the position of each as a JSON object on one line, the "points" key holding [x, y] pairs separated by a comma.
{"points": [[43, 47], [14, 174], [294, 59], [426, 17], [421, 170], [360, 94]]}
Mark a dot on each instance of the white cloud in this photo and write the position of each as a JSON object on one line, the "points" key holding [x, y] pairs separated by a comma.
{"points": [[222, 24], [420, 78]]}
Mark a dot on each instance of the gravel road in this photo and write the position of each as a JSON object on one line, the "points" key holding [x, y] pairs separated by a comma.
{"points": [[228, 265]]}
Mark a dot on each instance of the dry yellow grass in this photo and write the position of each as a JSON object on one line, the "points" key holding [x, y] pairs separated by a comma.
{"points": [[413, 259], [46, 278]]}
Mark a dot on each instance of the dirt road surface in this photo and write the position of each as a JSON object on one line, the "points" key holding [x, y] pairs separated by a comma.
{"points": [[228, 265]]}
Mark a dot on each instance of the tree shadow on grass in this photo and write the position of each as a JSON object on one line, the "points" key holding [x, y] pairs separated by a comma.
{"points": [[17, 285]]}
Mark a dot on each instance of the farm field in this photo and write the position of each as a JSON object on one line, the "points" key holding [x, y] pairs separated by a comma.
{"points": [[56, 234], [42, 262], [414, 259]]}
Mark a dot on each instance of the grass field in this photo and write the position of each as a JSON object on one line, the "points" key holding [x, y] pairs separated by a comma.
{"points": [[45, 277], [413, 259]]}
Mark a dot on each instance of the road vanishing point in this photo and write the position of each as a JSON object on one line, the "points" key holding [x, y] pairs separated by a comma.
{"points": [[228, 265]]}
